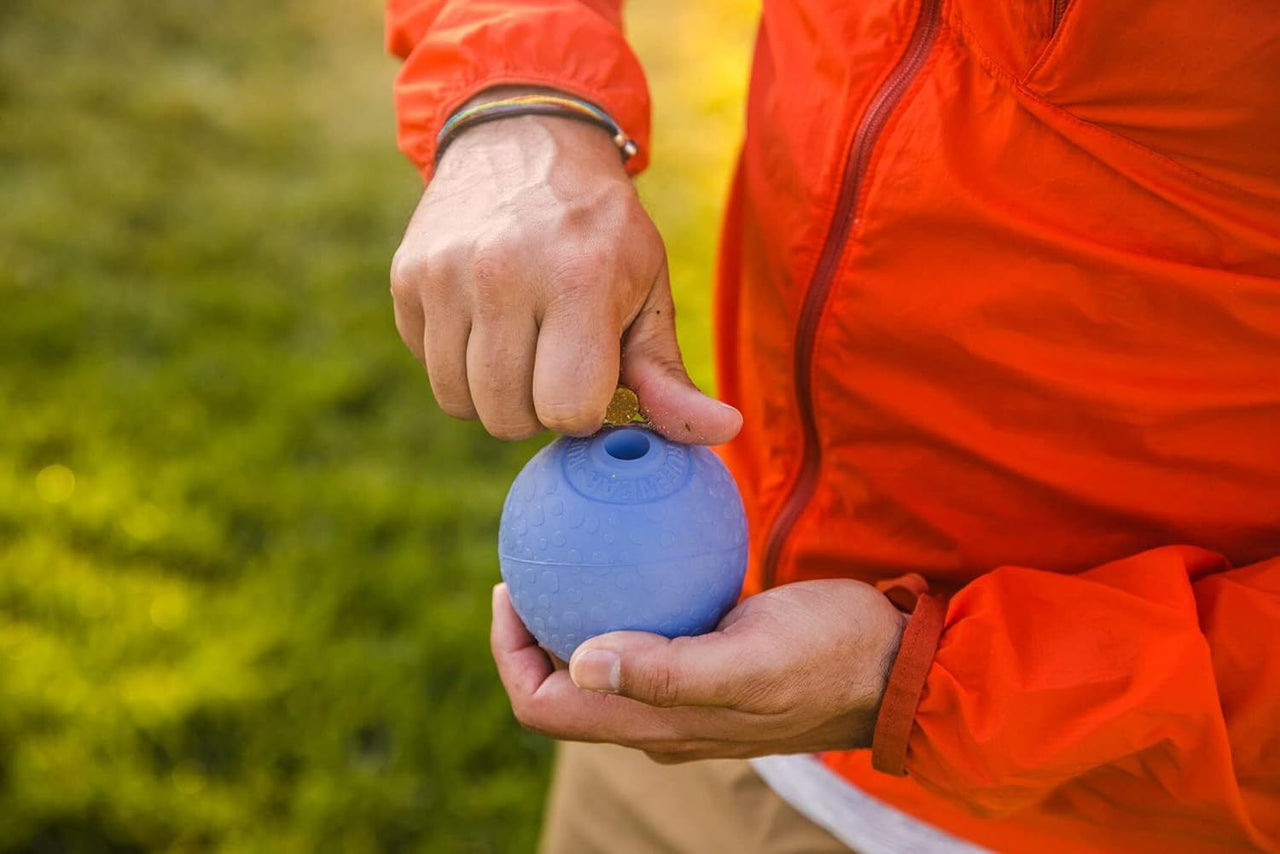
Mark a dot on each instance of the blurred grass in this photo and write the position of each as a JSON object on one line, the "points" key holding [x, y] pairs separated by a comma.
{"points": [[244, 562]]}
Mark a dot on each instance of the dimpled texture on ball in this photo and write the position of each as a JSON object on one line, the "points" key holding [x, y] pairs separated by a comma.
{"points": [[652, 540]]}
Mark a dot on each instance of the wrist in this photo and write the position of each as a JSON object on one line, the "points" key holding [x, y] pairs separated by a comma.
{"points": [[881, 657], [541, 145]]}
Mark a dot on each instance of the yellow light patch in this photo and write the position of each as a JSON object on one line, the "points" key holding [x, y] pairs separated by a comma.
{"points": [[145, 523], [55, 483], [168, 609]]}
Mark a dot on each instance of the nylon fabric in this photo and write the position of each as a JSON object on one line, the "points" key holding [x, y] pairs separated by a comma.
{"points": [[1046, 379]]}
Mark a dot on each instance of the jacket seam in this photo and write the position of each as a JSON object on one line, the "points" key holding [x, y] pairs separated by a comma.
{"points": [[1054, 47], [968, 39]]}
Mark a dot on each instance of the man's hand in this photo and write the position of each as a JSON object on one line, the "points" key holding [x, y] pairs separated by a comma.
{"points": [[797, 669], [530, 280]]}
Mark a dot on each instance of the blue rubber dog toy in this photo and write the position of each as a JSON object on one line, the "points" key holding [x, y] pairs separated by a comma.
{"points": [[622, 530]]}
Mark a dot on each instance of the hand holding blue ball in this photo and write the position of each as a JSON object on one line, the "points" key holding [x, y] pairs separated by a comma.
{"points": [[623, 530]]}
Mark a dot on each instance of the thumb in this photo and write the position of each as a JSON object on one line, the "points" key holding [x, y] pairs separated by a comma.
{"points": [[653, 369], [688, 671]]}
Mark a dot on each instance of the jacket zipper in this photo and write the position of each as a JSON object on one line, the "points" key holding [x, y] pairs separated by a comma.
{"points": [[1059, 9], [870, 126]]}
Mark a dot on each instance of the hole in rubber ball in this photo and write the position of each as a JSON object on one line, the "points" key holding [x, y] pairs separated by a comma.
{"points": [[626, 444]]}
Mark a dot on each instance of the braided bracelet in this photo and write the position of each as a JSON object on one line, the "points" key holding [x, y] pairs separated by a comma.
{"points": [[534, 105]]}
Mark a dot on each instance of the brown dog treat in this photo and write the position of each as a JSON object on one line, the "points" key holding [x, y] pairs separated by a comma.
{"points": [[623, 409]]}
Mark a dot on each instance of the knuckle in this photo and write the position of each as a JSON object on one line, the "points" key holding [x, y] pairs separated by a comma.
{"points": [[672, 366], [443, 265], [661, 685], [407, 269], [423, 272], [575, 273]]}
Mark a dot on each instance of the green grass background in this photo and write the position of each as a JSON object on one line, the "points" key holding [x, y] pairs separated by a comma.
{"points": [[244, 563]]}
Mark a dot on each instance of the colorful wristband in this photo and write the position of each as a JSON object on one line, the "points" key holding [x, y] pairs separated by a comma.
{"points": [[534, 105]]}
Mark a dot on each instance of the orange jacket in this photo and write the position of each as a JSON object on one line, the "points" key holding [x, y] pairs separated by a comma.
{"points": [[1000, 303]]}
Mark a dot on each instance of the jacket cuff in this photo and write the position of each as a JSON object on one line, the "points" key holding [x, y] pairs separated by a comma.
{"points": [[463, 48], [906, 683]]}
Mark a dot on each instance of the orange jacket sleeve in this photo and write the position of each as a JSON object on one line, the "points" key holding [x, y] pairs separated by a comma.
{"points": [[453, 49], [1145, 687]]}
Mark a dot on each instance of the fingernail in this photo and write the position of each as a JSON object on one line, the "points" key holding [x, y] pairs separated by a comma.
{"points": [[597, 670]]}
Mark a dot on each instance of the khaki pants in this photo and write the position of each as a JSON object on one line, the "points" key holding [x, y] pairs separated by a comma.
{"points": [[613, 800]]}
